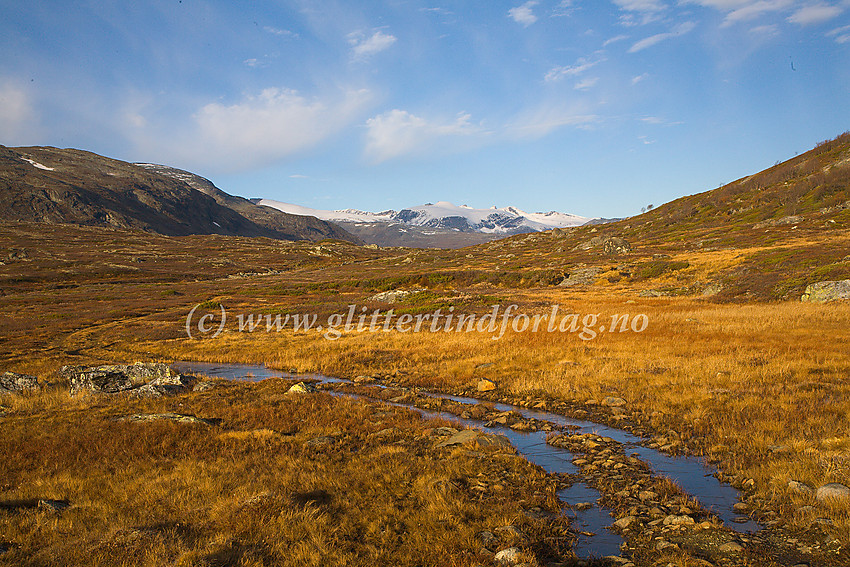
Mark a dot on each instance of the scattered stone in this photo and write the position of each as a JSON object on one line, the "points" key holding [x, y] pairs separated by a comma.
{"points": [[665, 546], [394, 295], [487, 538], [320, 441], [486, 385], [473, 436], [823, 292], [11, 382], [179, 418], [626, 523], [204, 386], [442, 431], [801, 488], [509, 556], [302, 388], [740, 507], [582, 506], [673, 520], [613, 402], [833, 491], [52, 505], [730, 547]]}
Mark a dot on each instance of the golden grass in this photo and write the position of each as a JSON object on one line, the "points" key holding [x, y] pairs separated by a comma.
{"points": [[251, 490], [760, 389]]}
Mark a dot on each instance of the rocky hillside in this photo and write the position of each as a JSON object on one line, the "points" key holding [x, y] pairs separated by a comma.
{"points": [[67, 186]]}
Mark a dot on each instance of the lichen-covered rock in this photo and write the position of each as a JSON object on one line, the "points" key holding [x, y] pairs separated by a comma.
{"points": [[11, 382], [151, 379], [302, 388], [823, 292], [615, 246], [475, 437]]}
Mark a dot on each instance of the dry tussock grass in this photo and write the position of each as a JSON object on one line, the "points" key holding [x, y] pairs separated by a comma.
{"points": [[248, 490], [760, 389]]}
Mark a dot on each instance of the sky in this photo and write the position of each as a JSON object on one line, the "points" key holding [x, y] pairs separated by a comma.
{"points": [[592, 108]]}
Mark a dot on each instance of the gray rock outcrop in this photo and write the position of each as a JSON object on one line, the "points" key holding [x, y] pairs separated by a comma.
{"points": [[823, 292]]}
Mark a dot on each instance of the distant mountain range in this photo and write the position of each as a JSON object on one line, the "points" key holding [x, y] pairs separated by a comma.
{"points": [[445, 215], [67, 186], [441, 224]]}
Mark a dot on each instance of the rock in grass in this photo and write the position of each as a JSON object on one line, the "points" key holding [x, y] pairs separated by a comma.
{"points": [[833, 491], [11, 382], [823, 292], [302, 388], [114, 378], [730, 547], [473, 436], [52, 505], [613, 402], [800, 488], [486, 385], [509, 556], [176, 417]]}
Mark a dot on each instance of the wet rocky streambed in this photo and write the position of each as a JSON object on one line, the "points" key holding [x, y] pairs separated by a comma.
{"points": [[623, 497]]}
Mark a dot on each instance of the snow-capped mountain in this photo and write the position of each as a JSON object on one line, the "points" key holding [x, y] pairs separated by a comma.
{"points": [[445, 215]]}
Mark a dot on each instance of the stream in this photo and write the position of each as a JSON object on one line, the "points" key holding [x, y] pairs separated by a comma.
{"points": [[691, 474]]}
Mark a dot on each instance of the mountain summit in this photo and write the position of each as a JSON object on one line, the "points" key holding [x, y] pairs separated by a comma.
{"points": [[442, 216]]}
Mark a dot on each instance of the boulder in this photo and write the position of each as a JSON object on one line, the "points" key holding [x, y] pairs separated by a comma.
{"points": [[833, 491], [509, 556], [615, 246], [823, 292], [113, 378], [475, 437], [302, 388], [486, 385], [11, 382]]}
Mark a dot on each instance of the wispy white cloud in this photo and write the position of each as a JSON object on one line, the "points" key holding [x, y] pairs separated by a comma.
{"points": [[558, 73], [17, 113], [640, 12], [841, 35], [524, 14], [679, 30], [586, 84], [539, 121], [615, 39], [766, 31], [743, 10], [397, 133], [640, 5], [564, 8], [363, 45], [639, 78], [815, 14], [280, 32]]}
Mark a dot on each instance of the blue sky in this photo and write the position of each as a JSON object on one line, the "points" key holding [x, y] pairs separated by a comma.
{"points": [[593, 108]]}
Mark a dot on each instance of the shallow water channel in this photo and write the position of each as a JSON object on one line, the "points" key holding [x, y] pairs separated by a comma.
{"points": [[691, 474]]}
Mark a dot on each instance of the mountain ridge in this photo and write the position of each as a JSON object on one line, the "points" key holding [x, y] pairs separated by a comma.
{"points": [[69, 186]]}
